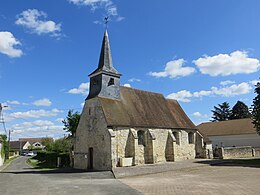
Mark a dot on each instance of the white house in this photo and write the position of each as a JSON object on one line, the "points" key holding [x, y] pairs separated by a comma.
{"points": [[240, 132]]}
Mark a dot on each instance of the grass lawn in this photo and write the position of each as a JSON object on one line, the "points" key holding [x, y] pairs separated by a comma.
{"points": [[36, 164]]}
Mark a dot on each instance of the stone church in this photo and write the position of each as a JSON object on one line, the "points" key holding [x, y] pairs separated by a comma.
{"points": [[121, 126]]}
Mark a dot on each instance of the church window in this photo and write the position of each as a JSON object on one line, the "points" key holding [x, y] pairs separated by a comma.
{"points": [[111, 81], [191, 138], [177, 137], [140, 135]]}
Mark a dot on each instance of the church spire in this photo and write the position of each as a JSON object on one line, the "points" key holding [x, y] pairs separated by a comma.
{"points": [[105, 60], [105, 80]]}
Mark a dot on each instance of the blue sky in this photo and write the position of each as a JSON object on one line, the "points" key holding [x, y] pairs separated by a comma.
{"points": [[201, 53]]}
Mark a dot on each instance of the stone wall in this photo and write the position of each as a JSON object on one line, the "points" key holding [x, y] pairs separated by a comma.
{"points": [[203, 149], [92, 132], [237, 152], [159, 145], [256, 152], [184, 150]]}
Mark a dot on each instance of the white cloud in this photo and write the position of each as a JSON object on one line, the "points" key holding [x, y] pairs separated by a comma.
{"points": [[227, 82], [59, 120], [34, 114], [182, 96], [92, 3], [82, 104], [37, 22], [127, 85], [14, 102], [108, 5], [174, 69], [8, 43], [233, 90], [82, 89], [120, 18], [134, 80], [236, 62], [42, 102], [199, 115], [254, 82], [39, 128]]}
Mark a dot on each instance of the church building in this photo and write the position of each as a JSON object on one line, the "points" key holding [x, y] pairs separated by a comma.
{"points": [[122, 126]]}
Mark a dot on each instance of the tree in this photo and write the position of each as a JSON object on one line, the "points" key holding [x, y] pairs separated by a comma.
{"points": [[240, 110], [71, 122], [222, 112], [256, 108], [5, 147], [61, 145], [48, 143]]}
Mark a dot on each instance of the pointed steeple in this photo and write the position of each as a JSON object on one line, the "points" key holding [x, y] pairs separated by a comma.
{"points": [[105, 60], [105, 80]]}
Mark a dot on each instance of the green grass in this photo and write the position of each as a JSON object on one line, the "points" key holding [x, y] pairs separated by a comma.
{"points": [[36, 164]]}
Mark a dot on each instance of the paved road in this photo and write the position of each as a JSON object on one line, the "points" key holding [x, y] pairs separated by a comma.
{"points": [[222, 179], [19, 178]]}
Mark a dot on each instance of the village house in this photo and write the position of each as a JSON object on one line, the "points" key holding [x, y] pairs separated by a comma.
{"points": [[121, 126], [19, 145], [36, 143], [231, 133]]}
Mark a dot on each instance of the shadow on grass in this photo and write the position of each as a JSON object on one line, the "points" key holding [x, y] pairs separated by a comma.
{"points": [[249, 162]]}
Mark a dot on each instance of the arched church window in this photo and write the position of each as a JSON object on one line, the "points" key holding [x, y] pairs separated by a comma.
{"points": [[191, 137], [140, 135], [111, 81]]}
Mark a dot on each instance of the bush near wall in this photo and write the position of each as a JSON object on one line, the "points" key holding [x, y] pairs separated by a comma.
{"points": [[49, 159]]}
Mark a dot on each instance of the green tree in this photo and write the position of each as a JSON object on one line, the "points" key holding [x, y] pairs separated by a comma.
{"points": [[5, 147], [222, 112], [71, 122], [48, 143], [240, 110], [256, 108], [62, 145]]}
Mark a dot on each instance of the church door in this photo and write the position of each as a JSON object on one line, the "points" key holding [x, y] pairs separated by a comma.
{"points": [[90, 158]]}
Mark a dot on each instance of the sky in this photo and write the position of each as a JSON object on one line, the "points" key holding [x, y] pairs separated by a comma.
{"points": [[200, 52]]}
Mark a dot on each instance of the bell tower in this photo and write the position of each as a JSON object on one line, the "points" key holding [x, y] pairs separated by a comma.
{"points": [[105, 80]]}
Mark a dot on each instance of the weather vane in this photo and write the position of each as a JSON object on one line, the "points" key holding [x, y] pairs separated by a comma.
{"points": [[106, 19]]}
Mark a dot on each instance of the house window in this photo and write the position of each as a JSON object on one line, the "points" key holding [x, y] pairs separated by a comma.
{"points": [[140, 135], [111, 81], [177, 137], [191, 138]]}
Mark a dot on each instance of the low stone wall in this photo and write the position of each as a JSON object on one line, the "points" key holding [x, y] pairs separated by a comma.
{"points": [[257, 152], [237, 152]]}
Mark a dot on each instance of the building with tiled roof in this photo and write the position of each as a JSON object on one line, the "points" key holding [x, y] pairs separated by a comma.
{"points": [[121, 126], [239, 132]]}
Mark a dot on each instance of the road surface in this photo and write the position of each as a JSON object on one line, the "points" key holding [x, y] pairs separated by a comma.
{"points": [[19, 178]]}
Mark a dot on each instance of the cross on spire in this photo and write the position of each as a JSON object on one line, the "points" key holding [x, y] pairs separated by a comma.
{"points": [[106, 20]]}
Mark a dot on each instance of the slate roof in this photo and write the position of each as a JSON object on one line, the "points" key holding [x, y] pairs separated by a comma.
{"points": [[105, 64], [17, 144], [230, 127], [139, 108]]}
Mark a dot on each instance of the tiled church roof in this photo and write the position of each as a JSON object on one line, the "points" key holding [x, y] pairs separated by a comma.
{"points": [[139, 108]]}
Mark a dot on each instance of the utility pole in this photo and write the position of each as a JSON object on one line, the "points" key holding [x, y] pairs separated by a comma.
{"points": [[9, 138], [2, 116]]}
